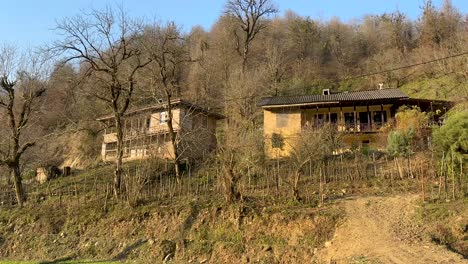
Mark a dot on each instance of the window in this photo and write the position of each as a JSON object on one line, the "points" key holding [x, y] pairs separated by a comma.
{"points": [[282, 119], [277, 141], [349, 121], [148, 122], [163, 118], [112, 146], [204, 121], [380, 117], [319, 120], [188, 122]]}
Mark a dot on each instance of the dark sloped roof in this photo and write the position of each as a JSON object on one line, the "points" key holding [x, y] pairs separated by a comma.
{"points": [[163, 105], [337, 97]]}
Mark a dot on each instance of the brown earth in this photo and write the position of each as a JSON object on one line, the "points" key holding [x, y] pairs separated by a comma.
{"points": [[383, 230]]}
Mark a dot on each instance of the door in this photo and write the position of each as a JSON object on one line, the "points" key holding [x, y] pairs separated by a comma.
{"points": [[364, 121]]}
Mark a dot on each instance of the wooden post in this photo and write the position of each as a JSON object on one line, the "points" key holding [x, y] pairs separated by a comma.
{"points": [[382, 114], [342, 122], [432, 111], [355, 119], [422, 183], [373, 162], [461, 179], [278, 176], [453, 178], [320, 187], [440, 175], [316, 116], [369, 121]]}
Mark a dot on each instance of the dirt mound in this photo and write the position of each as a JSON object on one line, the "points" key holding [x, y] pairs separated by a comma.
{"points": [[383, 230]]}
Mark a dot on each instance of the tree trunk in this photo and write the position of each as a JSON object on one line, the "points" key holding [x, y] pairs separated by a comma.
{"points": [[245, 53], [296, 195], [118, 169], [173, 136], [19, 191], [230, 187], [9, 177]]}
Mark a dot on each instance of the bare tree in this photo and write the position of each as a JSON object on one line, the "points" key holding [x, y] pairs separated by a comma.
{"points": [[240, 152], [249, 15], [311, 148], [105, 43], [20, 91], [167, 49]]}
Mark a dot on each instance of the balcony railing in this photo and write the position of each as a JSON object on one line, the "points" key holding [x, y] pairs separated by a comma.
{"points": [[351, 127]]}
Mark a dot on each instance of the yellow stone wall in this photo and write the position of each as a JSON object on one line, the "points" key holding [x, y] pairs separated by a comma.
{"points": [[298, 118], [289, 132]]}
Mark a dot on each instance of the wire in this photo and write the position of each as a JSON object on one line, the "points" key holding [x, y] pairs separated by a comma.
{"points": [[364, 75], [350, 78]]}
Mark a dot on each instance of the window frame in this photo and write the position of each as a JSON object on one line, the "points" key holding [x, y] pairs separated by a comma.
{"points": [[163, 118], [282, 119]]}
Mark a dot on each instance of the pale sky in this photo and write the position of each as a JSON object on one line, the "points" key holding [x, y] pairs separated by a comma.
{"points": [[30, 23]]}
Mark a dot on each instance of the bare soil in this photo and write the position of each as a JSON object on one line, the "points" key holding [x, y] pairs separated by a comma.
{"points": [[383, 230]]}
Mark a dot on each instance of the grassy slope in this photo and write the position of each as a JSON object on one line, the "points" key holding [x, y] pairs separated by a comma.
{"points": [[60, 262], [202, 227], [447, 224], [448, 87]]}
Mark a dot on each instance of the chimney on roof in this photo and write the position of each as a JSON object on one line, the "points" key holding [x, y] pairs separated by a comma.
{"points": [[380, 86], [326, 92]]}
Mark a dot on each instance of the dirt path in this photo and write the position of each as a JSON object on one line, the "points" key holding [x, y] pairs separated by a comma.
{"points": [[380, 230]]}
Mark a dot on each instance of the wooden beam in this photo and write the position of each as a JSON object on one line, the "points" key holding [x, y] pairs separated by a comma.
{"points": [[355, 119], [342, 122], [382, 114], [369, 122]]}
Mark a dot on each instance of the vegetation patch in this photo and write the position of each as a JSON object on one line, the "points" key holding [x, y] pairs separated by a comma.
{"points": [[447, 224]]}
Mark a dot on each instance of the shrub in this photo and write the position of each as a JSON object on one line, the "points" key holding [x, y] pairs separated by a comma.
{"points": [[399, 143], [452, 137]]}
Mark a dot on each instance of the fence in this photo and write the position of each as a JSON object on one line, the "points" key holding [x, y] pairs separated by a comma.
{"points": [[272, 182]]}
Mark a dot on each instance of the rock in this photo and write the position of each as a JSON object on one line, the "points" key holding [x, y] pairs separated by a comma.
{"points": [[168, 257], [328, 244], [203, 261], [266, 248], [151, 241], [168, 249]]}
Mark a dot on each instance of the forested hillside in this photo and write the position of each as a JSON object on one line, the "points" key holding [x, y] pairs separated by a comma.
{"points": [[230, 66]]}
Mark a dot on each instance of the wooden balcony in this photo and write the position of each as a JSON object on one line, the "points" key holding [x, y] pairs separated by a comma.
{"points": [[354, 128], [109, 138]]}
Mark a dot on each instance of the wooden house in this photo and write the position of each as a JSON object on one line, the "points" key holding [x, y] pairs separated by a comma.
{"points": [[362, 115], [146, 132]]}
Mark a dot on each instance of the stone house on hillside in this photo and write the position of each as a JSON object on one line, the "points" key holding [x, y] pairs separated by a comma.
{"points": [[146, 132], [361, 116]]}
